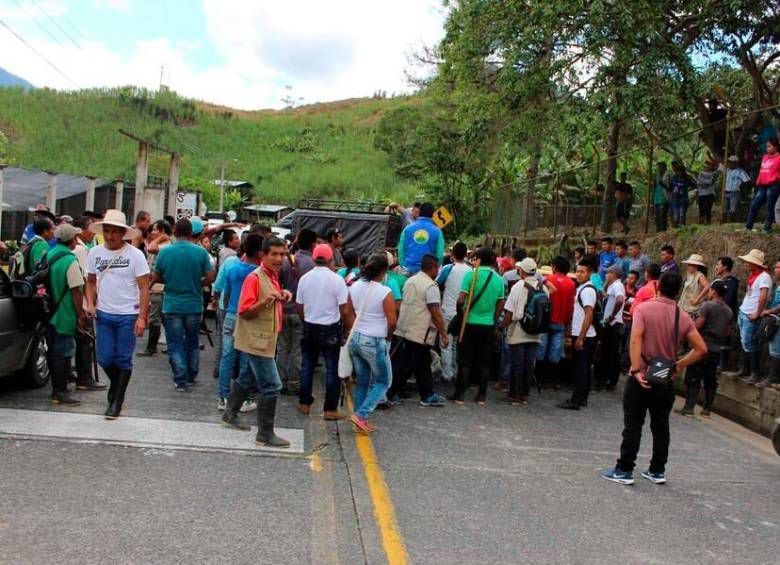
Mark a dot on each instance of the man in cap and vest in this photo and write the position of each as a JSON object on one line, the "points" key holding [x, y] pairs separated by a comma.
{"points": [[419, 322], [419, 238], [257, 329]]}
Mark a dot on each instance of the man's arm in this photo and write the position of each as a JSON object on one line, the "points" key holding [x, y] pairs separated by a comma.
{"points": [[440, 247], [143, 312], [401, 247], [497, 311], [697, 352], [763, 298], [619, 300], [78, 304], [635, 352], [586, 323], [91, 293]]}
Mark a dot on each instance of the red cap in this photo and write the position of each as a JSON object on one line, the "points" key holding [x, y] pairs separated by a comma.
{"points": [[322, 252]]}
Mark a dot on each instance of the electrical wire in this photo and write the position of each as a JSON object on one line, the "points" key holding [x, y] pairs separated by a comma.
{"points": [[59, 27], [39, 24], [41, 55]]}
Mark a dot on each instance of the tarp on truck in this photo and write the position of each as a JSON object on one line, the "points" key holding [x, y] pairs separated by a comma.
{"points": [[365, 232]]}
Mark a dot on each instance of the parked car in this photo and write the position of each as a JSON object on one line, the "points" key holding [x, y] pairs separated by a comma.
{"points": [[22, 345]]}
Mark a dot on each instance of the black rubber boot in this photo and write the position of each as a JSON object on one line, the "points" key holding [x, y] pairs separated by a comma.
{"points": [[691, 397], [461, 382], [151, 344], [755, 376], [115, 407], [113, 378], [234, 402], [60, 370], [266, 415], [746, 372], [774, 374]]}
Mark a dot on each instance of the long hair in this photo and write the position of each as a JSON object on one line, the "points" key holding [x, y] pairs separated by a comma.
{"points": [[375, 266]]}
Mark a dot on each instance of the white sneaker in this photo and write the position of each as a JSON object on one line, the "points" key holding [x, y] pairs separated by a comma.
{"points": [[222, 404], [248, 406]]}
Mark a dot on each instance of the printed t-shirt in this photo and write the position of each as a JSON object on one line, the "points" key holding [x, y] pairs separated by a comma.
{"points": [[483, 312], [182, 265], [770, 170], [117, 275]]}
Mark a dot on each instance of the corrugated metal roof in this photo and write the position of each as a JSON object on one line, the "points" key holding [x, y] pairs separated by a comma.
{"points": [[24, 188]]}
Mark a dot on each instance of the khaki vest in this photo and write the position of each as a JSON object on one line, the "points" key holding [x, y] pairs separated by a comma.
{"points": [[258, 335], [415, 322]]}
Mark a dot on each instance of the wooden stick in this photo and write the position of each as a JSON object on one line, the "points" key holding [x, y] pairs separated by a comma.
{"points": [[474, 277]]}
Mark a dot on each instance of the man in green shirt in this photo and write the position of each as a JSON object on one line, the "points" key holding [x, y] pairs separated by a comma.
{"points": [[484, 301], [66, 283], [660, 197], [43, 229], [184, 268]]}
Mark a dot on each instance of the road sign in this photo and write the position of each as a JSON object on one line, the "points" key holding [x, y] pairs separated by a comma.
{"points": [[442, 217]]}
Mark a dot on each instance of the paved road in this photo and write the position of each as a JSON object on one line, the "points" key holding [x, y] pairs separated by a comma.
{"points": [[458, 484]]}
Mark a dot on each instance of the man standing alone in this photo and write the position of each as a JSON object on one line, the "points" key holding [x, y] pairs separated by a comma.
{"points": [[184, 268]]}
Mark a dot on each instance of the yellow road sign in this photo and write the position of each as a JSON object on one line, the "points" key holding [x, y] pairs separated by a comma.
{"points": [[442, 217]]}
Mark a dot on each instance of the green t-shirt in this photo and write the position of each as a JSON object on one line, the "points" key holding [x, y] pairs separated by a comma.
{"points": [[483, 312], [395, 290], [39, 248], [399, 279], [182, 265], [62, 280]]}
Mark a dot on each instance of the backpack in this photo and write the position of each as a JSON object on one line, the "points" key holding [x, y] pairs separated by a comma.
{"points": [[19, 264], [536, 316], [41, 304], [598, 314]]}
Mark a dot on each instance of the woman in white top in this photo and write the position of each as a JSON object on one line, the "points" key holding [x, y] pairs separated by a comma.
{"points": [[369, 346]]}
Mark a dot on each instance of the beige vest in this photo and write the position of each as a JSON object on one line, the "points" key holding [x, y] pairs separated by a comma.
{"points": [[415, 322], [258, 335]]}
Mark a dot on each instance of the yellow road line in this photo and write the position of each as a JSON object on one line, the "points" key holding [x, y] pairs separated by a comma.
{"points": [[384, 511]]}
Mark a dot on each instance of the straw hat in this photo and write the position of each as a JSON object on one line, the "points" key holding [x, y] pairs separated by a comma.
{"points": [[756, 256], [115, 218], [695, 259]]}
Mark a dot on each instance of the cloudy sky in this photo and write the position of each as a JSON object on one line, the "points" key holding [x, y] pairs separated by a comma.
{"points": [[247, 54]]}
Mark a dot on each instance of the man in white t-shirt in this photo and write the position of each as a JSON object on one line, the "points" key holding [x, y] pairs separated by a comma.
{"points": [[322, 302], [584, 335], [118, 298], [612, 333], [450, 280], [759, 285]]}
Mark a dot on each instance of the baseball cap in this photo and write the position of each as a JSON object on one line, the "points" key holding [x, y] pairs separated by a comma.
{"points": [[66, 232], [528, 265], [322, 252], [197, 225], [616, 270]]}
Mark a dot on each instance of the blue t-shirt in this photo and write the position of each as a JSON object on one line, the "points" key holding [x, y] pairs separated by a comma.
{"points": [[219, 283], [775, 298], [235, 279], [606, 260], [182, 265]]}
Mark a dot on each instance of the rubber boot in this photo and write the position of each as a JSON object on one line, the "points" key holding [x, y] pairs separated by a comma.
{"points": [[60, 370], [461, 382], [151, 344], [234, 402], [746, 372], [774, 374], [266, 414], [115, 408], [113, 377], [754, 377]]}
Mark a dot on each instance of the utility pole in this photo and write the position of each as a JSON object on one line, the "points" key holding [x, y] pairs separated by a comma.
{"points": [[222, 188]]}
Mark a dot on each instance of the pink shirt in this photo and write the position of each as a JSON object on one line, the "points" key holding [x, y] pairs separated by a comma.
{"points": [[656, 318], [770, 170]]}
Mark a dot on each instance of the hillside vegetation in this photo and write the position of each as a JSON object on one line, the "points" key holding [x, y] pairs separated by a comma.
{"points": [[323, 150]]}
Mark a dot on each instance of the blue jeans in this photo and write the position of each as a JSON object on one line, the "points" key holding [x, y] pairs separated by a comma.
{"points": [[551, 344], [115, 335], [747, 332], [679, 209], [228, 359], [768, 195], [182, 331], [371, 359], [774, 346], [325, 339], [262, 371], [732, 202], [505, 368], [59, 346]]}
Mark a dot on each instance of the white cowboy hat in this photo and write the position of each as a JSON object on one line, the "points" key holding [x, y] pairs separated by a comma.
{"points": [[115, 218], [695, 259], [756, 256]]}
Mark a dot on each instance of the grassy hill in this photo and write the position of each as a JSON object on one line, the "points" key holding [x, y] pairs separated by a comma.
{"points": [[323, 150]]}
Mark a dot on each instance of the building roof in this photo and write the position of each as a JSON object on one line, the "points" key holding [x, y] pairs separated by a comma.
{"points": [[268, 208], [24, 188], [234, 183]]}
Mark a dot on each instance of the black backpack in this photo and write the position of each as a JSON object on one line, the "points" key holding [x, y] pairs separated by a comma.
{"points": [[536, 316], [598, 314], [39, 304]]}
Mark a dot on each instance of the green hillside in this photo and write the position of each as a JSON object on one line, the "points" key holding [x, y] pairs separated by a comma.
{"points": [[323, 150]]}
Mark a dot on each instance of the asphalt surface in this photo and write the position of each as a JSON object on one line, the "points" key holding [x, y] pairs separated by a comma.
{"points": [[469, 484]]}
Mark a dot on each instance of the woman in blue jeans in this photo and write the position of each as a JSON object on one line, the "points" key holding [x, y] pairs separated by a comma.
{"points": [[767, 186], [369, 346]]}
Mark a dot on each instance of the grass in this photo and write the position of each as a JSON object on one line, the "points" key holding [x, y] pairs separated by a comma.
{"points": [[321, 151]]}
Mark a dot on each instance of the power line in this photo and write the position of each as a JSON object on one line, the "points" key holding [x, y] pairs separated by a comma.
{"points": [[59, 27], [34, 50], [39, 24]]}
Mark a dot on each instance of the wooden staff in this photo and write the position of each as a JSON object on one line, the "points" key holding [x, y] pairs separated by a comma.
{"points": [[723, 212], [650, 186], [474, 278]]}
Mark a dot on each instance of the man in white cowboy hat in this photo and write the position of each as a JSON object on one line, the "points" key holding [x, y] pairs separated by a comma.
{"points": [[759, 285], [118, 298]]}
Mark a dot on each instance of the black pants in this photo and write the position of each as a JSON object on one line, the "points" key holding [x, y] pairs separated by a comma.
{"points": [[84, 345], [661, 216], [704, 372], [415, 358], [637, 401], [582, 360], [325, 339], [474, 356], [523, 358], [611, 341], [705, 208]]}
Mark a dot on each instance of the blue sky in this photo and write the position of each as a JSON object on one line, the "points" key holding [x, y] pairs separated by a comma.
{"points": [[243, 53]]}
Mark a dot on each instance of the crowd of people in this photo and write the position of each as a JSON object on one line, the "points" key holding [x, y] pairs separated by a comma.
{"points": [[451, 318]]}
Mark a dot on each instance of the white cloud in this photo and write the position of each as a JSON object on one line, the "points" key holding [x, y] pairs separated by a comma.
{"points": [[119, 5], [323, 50]]}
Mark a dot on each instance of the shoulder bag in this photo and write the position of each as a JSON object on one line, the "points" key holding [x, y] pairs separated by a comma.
{"points": [[661, 370]]}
